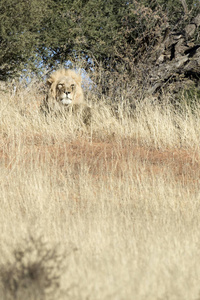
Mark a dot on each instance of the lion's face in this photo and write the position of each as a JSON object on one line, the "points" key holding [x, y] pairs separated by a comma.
{"points": [[64, 87], [65, 90]]}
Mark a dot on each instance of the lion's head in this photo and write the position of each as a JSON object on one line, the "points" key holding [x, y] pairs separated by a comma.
{"points": [[65, 87], [64, 94]]}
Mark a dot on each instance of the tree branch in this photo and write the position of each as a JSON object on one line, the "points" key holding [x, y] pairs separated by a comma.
{"points": [[183, 2]]}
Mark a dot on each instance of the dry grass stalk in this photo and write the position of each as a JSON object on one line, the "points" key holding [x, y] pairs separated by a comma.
{"points": [[124, 192]]}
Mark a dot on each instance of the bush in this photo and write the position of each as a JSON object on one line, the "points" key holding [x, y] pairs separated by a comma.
{"points": [[35, 272]]}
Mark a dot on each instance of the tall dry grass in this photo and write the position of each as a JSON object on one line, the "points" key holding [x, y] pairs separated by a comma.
{"points": [[119, 199]]}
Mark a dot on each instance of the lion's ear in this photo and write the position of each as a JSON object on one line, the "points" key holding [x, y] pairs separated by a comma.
{"points": [[53, 88], [73, 86], [78, 79]]}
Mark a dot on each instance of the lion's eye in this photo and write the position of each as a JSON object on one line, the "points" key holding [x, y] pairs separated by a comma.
{"points": [[59, 86], [72, 86]]}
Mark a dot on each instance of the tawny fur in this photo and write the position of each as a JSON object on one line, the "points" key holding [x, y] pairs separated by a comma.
{"points": [[65, 93], [68, 78]]}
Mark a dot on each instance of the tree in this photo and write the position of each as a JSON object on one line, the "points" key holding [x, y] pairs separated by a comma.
{"points": [[105, 31], [20, 26], [114, 34]]}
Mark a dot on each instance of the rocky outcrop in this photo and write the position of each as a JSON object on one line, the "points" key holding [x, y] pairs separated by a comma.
{"points": [[175, 61]]}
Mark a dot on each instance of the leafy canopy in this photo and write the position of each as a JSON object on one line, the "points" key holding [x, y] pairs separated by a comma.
{"points": [[113, 33]]}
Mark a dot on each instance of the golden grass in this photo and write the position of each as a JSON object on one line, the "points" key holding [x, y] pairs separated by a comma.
{"points": [[121, 199]]}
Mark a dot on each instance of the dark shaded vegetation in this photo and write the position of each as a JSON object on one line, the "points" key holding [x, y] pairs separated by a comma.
{"points": [[111, 33], [35, 271]]}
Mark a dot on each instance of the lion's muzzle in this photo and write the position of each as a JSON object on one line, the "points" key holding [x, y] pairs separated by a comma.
{"points": [[66, 101]]}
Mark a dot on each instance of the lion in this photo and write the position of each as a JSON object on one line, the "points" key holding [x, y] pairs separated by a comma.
{"points": [[65, 91]]}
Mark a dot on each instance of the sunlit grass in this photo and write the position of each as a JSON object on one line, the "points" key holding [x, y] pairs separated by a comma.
{"points": [[121, 197]]}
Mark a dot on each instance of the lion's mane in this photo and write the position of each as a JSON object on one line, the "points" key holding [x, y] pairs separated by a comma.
{"points": [[65, 93], [70, 79]]}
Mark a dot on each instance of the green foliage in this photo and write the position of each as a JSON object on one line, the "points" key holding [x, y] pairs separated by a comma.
{"points": [[110, 33], [191, 98], [113, 34], [20, 25], [175, 10]]}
